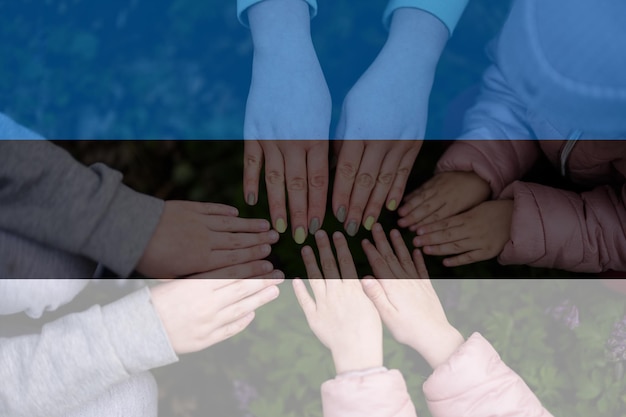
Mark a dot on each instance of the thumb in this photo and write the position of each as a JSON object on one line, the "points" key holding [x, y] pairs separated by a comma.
{"points": [[376, 293]]}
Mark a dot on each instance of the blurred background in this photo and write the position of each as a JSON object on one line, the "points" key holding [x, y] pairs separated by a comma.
{"points": [[167, 70]]}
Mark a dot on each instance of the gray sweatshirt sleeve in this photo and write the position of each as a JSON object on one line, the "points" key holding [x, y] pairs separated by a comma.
{"points": [[49, 197], [81, 356]]}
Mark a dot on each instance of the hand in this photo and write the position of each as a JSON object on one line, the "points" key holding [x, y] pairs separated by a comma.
{"points": [[477, 234], [301, 166], [198, 313], [194, 237], [341, 316], [406, 299], [368, 174], [445, 195]]}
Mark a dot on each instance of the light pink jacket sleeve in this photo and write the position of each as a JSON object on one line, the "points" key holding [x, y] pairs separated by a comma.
{"points": [[499, 162], [380, 394], [475, 382], [561, 229]]}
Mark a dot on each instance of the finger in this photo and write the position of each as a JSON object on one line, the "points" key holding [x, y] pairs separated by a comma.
{"points": [[377, 294], [376, 261], [344, 257], [383, 247], [245, 240], [234, 273], [209, 208], [297, 192], [402, 176], [235, 224], [248, 305], [233, 328], [327, 259], [451, 234], [465, 258], [275, 184], [317, 167], [242, 289], [403, 254], [227, 257], [304, 298], [452, 248], [416, 198], [418, 260], [347, 168], [381, 189], [312, 270], [448, 223], [363, 186], [252, 163], [430, 207]]}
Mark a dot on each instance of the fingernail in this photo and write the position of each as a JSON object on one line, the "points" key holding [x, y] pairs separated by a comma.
{"points": [[280, 226], [341, 214], [266, 249], [417, 242], [273, 235], [352, 228], [250, 199], [392, 205], [267, 267], [278, 276], [369, 222], [314, 226], [300, 235]]}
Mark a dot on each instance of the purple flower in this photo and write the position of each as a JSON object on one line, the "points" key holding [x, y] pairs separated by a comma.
{"points": [[244, 394], [565, 313], [616, 343]]}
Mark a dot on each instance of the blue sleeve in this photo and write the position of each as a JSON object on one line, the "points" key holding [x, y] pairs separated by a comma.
{"points": [[448, 11], [243, 5]]}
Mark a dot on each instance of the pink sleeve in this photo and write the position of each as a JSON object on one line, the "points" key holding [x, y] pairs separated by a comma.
{"points": [[561, 229], [475, 382], [499, 162], [382, 394]]}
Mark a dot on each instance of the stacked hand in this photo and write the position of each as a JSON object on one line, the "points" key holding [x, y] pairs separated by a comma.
{"points": [[198, 313], [345, 314], [196, 237]]}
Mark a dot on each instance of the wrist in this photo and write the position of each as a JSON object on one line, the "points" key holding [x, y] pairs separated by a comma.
{"points": [[417, 33], [440, 346], [278, 24], [357, 360]]}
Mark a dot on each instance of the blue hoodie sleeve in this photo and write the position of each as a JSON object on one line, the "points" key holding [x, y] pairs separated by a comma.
{"points": [[448, 11], [243, 5]]}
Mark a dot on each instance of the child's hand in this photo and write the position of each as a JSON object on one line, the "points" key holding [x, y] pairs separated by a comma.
{"points": [[406, 299], [198, 313], [476, 235], [196, 237], [444, 195], [341, 316]]}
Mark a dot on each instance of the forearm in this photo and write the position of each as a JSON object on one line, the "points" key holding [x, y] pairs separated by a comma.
{"points": [[277, 25], [79, 357], [47, 196]]}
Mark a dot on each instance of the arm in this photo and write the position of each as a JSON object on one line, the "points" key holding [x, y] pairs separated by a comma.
{"points": [[111, 343], [389, 101], [79, 357], [346, 322], [469, 378], [475, 378], [560, 229], [288, 101], [47, 196]]}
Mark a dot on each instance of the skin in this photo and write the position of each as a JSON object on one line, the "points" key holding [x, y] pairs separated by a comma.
{"points": [[339, 313], [198, 313], [475, 235], [406, 300], [390, 101], [446, 194], [194, 237]]}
